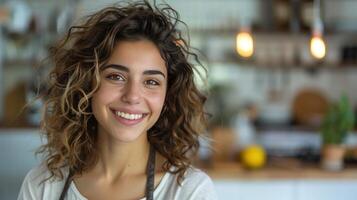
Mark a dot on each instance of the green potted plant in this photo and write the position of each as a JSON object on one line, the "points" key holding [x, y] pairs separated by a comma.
{"points": [[337, 123]]}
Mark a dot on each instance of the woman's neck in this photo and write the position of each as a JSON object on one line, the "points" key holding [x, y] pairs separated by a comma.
{"points": [[118, 159]]}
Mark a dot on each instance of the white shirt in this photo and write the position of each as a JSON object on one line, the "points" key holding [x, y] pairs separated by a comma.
{"points": [[196, 185]]}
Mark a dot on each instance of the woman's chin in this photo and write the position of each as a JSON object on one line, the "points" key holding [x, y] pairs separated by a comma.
{"points": [[127, 137]]}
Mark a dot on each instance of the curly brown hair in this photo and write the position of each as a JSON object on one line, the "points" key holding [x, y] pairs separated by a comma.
{"points": [[68, 123]]}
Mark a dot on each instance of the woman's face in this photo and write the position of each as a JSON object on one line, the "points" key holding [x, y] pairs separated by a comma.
{"points": [[132, 91]]}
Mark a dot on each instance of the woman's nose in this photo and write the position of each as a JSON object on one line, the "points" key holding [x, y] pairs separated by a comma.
{"points": [[131, 93]]}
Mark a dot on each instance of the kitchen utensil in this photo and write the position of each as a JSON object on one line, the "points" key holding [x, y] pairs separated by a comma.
{"points": [[20, 16]]}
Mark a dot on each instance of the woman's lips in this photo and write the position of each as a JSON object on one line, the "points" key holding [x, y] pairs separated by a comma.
{"points": [[128, 118]]}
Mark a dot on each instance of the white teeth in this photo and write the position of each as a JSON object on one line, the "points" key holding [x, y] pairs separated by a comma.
{"points": [[129, 116]]}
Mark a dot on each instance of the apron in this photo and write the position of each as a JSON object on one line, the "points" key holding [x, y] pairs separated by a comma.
{"points": [[150, 178]]}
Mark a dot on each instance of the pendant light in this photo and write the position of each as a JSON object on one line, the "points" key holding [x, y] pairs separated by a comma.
{"points": [[244, 39], [244, 43], [317, 43]]}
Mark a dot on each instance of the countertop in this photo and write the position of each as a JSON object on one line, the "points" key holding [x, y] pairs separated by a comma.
{"points": [[288, 170]]}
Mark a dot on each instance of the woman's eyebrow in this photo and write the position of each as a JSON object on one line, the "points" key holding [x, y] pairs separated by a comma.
{"points": [[154, 72], [117, 67], [126, 69]]}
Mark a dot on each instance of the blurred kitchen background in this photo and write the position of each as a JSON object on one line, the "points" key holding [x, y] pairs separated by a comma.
{"points": [[275, 68]]}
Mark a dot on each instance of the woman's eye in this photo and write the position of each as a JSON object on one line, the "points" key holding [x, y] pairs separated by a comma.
{"points": [[115, 77], [152, 82]]}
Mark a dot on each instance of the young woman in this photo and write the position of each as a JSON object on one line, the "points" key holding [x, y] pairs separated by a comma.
{"points": [[122, 113]]}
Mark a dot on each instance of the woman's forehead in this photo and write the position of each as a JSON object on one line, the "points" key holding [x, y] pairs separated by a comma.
{"points": [[136, 55]]}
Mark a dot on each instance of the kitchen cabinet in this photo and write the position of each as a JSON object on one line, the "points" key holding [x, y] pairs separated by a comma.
{"points": [[326, 190], [287, 189], [255, 190]]}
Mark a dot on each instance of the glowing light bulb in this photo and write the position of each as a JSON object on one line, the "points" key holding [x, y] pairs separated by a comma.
{"points": [[317, 47], [244, 44]]}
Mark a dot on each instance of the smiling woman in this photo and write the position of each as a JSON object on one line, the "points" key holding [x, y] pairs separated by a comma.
{"points": [[137, 74], [122, 113]]}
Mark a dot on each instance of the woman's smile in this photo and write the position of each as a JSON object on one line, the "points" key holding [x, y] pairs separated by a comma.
{"points": [[128, 118]]}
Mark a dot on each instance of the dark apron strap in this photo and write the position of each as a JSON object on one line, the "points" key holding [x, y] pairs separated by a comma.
{"points": [[150, 175], [150, 178], [66, 185]]}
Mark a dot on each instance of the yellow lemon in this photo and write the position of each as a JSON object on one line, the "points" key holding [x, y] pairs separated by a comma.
{"points": [[253, 157]]}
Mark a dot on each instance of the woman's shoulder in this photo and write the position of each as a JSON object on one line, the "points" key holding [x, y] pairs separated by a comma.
{"points": [[192, 176], [193, 173], [198, 180], [41, 174], [196, 184], [38, 172], [38, 183]]}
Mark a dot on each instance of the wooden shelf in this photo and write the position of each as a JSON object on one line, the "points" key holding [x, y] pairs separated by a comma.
{"points": [[285, 66], [21, 62]]}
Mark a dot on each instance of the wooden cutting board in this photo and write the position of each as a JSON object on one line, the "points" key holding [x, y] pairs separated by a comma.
{"points": [[309, 107]]}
